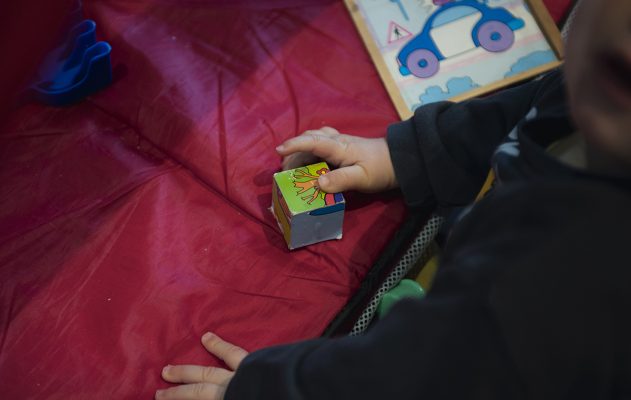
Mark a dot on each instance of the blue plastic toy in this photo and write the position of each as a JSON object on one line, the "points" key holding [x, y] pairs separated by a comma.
{"points": [[77, 68]]}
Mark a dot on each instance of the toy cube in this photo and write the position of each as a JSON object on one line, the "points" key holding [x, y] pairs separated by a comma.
{"points": [[306, 214]]}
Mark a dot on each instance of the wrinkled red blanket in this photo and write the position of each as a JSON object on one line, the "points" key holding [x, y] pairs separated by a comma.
{"points": [[135, 221]]}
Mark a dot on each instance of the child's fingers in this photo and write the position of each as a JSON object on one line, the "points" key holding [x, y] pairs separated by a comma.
{"points": [[294, 157], [231, 354], [296, 160], [196, 374], [343, 179], [322, 146], [196, 391], [327, 130]]}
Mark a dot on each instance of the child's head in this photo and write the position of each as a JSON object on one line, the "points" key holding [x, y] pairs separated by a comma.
{"points": [[598, 70]]}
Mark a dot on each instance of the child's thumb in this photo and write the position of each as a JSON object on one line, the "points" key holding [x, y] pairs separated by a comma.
{"points": [[342, 179]]}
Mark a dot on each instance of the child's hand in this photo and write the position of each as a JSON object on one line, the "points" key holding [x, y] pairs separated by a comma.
{"points": [[364, 164], [203, 383]]}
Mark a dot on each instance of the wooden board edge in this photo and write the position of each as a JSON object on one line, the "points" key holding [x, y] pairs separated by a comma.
{"points": [[547, 26], [382, 69]]}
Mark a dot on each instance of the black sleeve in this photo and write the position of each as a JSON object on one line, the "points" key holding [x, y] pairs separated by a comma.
{"points": [[441, 155], [446, 347], [538, 312]]}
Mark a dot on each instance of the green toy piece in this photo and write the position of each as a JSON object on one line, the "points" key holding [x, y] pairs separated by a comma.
{"points": [[407, 288]]}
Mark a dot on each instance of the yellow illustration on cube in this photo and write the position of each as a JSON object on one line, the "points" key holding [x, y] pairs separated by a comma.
{"points": [[304, 212]]}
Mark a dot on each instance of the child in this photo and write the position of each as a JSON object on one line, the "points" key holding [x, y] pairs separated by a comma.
{"points": [[534, 294]]}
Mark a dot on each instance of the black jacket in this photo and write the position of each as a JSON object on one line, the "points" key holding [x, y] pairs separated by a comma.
{"points": [[533, 297]]}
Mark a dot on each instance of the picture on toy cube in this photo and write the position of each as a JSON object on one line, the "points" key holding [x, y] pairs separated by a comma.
{"points": [[306, 214]]}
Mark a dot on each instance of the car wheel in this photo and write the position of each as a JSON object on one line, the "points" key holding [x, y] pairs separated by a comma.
{"points": [[422, 63], [495, 36]]}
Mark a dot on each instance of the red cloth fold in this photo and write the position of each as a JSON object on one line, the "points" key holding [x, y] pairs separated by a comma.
{"points": [[137, 220]]}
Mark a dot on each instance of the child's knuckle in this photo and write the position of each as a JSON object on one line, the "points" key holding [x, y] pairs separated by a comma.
{"points": [[198, 389], [208, 373]]}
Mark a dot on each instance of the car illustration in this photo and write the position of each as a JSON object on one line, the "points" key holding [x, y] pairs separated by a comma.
{"points": [[493, 32]]}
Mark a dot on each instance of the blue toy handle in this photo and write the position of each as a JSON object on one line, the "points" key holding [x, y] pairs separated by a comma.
{"points": [[76, 69], [85, 34], [93, 74]]}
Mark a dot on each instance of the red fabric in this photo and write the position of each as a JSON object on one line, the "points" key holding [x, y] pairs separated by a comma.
{"points": [[28, 30], [558, 9], [137, 220]]}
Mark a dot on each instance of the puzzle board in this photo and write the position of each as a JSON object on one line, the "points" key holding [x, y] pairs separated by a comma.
{"points": [[433, 50]]}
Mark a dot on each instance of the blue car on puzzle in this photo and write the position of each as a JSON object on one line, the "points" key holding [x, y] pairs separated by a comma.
{"points": [[493, 32]]}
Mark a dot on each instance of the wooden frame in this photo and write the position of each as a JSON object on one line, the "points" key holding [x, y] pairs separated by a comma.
{"points": [[536, 9]]}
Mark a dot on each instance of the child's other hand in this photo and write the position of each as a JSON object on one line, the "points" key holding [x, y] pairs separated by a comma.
{"points": [[363, 164], [199, 382]]}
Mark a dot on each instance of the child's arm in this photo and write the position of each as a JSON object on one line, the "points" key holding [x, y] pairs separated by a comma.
{"points": [[440, 156], [507, 316]]}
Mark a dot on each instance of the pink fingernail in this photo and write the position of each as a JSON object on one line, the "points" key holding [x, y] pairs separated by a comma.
{"points": [[323, 180], [166, 369], [207, 336], [159, 394], [280, 148]]}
